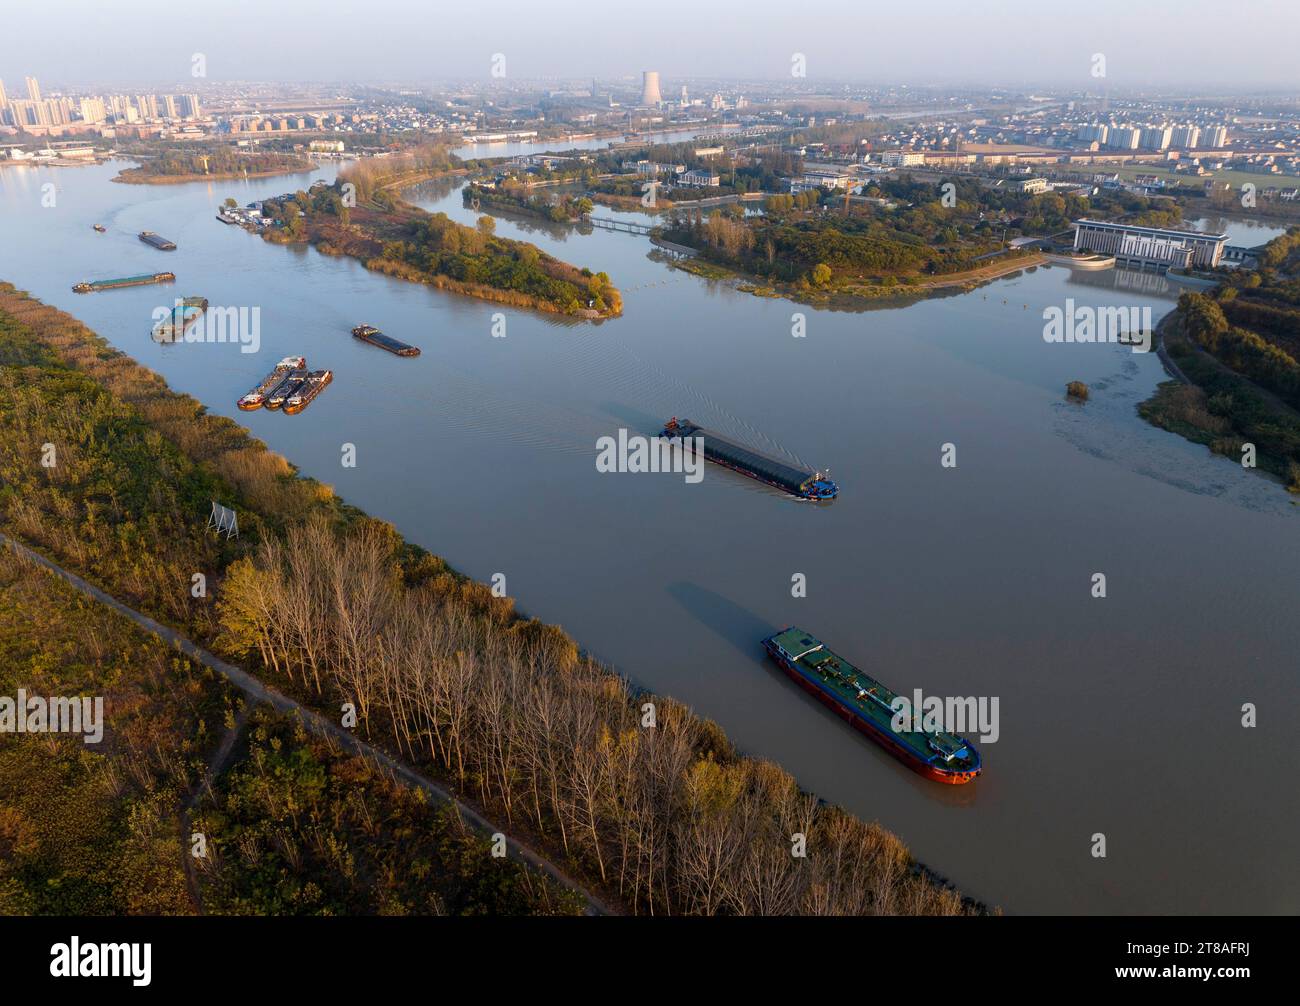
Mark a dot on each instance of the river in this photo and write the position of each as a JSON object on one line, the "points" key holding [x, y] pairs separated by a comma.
{"points": [[1118, 715]]}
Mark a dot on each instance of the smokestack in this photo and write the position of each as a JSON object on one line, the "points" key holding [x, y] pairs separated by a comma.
{"points": [[650, 88]]}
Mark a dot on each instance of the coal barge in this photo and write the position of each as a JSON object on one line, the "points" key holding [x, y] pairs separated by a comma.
{"points": [[372, 335], [867, 705], [805, 485], [116, 284], [255, 398], [293, 380], [161, 243], [307, 391]]}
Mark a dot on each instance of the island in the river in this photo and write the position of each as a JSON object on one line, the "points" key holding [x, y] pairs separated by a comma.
{"points": [[361, 215], [172, 167]]}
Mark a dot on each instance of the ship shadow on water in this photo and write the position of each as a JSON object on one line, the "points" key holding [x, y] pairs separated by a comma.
{"points": [[744, 630]]}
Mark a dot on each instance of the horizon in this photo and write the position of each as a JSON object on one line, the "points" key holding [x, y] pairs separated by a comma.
{"points": [[846, 45]]}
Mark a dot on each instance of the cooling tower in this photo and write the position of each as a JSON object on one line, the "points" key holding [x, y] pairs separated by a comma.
{"points": [[650, 88]]}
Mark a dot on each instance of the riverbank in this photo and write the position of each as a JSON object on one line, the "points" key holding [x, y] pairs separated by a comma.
{"points": [[1209, 404], [444, 675]]}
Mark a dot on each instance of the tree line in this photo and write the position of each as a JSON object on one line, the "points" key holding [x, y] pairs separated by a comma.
{"points": [[644, 796]]}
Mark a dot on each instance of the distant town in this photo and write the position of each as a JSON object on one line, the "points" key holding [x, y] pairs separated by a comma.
{"points": [[1146, 144]]}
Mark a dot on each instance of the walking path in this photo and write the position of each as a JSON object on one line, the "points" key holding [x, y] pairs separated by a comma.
{"points": [[316, 723]]}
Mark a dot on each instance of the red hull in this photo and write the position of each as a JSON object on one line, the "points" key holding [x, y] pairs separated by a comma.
{"points": [[900, 752]]}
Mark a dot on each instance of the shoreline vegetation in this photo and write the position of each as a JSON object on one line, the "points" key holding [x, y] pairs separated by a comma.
{"points": [[179, 167], [291, 823], [1235, 354], [361, 217], [332, 606]]}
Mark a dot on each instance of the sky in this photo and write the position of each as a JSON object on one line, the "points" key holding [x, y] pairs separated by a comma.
{"points": [[1201, 44]]}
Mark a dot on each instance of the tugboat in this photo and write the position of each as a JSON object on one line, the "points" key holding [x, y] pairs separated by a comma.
{"points": [[255, 398], [868, 706]]}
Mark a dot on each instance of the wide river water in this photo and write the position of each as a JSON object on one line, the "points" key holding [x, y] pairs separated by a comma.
{"points": [[1118, 715]]}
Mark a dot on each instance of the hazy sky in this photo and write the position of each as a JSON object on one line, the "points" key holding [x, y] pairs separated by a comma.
{"points": [[1145, 42]]}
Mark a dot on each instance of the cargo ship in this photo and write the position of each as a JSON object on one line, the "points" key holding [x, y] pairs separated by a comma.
{"points": [[255, 398], [288, 386], [116, 284], [180, 320], [805, 485], [372, 335], [307, 391], [866, 704], [161, 243]]}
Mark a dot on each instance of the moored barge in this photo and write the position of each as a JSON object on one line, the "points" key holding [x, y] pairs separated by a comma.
{"points": [[307, 391], [288, 386], [803, 484], [372, 335], [867, 705], [159, 242], [116, 284], [180, 320], [255, 398]]}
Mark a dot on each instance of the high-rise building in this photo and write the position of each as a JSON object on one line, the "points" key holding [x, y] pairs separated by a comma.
{"points": [[1186, 137], [190, 106], [1124, 138], [1094, 131], [1156, 137], [4, 98], [93, 110], [1216, 136], [650, 88], [169, 106], [33, 89]]}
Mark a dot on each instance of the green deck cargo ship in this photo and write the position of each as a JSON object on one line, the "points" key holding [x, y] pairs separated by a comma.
{"points": [[180, 320], [868, 705], [117, 284]]}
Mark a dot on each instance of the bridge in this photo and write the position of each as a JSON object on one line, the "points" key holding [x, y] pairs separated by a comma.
{"points": [[609, 224]]}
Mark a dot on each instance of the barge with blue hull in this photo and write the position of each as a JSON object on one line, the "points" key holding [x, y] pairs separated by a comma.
{"points": [[798, 482], [868, 706]]}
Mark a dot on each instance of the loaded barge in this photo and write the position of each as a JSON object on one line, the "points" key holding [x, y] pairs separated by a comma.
{"points": [[372, 335], [292, 381], [161, 243], [867, 705], [180, 320], [117, 284], [255, 398], [805, 485], [307, 391]]}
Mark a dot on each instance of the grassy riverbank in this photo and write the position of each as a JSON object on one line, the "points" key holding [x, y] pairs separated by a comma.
{"points": [[1234, 352], [657, 810]]}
